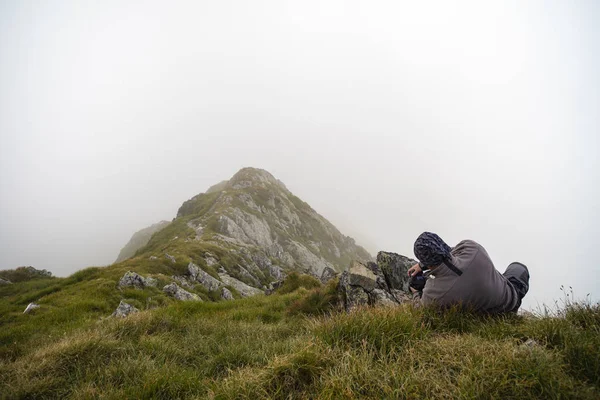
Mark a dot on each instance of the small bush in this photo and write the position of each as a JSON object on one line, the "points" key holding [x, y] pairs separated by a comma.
{"points": [[22, 274], [294, 281]]}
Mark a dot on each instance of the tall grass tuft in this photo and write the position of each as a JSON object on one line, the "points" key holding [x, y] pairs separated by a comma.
{"points": [[294, 281]]}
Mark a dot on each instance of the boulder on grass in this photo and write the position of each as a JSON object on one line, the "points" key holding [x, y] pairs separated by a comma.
{"points": [[180, 294], [226, 294], [123, 310], [133, 279]]}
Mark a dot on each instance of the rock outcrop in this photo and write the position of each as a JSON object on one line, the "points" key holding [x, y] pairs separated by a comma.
{"points": [[395, 269], [384, 283], [5, 282], [175, 291], [226, 294], [328, 274], [199, 275], [183, 281], [123, 310], [243, 289], [133, 279]]}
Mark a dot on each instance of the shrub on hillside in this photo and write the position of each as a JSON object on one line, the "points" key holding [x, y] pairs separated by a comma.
{"points": [[22, 274], [294, 281]]}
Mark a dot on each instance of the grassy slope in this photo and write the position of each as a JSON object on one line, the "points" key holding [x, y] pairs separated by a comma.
{"points": [[267, 347], [92, 293]]}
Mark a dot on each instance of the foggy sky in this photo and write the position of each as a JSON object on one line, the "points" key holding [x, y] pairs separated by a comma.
{"points": [[475, 121]]}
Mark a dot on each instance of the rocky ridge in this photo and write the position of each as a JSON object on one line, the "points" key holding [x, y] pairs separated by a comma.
{"points": [[242, 236]]}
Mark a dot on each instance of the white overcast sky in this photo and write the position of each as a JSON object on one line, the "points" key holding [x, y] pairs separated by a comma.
{"points": [[473, 119]]}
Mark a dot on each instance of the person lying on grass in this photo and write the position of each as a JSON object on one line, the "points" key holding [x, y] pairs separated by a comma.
{"points": [[465, 275]]}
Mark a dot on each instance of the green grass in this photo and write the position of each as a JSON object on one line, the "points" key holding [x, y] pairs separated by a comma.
{"points": [[295, 281], [294, 344]]}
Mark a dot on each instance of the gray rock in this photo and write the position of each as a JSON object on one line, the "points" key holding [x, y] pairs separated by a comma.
{"points": [[360, 275], [135, 280], [328, 274], [199, 275], [171, 258], [241, 287], [248, 201], [247, 276], [262, 260], [273, 286], [183, 281], [381, 297], [30, 307], [226, 294], [124, 310], [197, 226], [530, 344], [401, 296], [395, 269], [246, 227], [153, 258], [380, 280], [210, 261], [352, 296], [175, 291], [5, 282], [307, 258], [151, 282], [276, 272], [363, 284]]}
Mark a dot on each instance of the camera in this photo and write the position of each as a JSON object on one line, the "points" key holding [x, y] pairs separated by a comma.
{"points": [[417, 281]]}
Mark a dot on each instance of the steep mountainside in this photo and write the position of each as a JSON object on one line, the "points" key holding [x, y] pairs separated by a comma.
{"points": [[254, 230], [255, 210], [139, 240]]}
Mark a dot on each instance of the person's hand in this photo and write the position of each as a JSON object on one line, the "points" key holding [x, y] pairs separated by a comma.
{"points": [[415, 269]]}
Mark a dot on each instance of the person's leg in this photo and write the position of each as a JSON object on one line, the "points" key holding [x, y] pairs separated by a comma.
{"points": [[518, 275]]}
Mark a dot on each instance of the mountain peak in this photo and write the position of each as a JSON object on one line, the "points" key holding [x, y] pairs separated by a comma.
{"points": [[253, 216], [247, 177]]}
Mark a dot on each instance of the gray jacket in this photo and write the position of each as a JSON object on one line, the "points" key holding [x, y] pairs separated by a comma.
{"points": [[480, 286]]}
